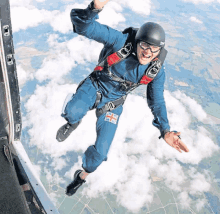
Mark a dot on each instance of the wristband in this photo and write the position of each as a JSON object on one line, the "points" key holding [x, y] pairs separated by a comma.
{"points": [[163, 133]]}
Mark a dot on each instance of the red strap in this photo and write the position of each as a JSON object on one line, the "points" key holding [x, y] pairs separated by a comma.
{"points": [[145, 80], [98, 68], [113, 58]]}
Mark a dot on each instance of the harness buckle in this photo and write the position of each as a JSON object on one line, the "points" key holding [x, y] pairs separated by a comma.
{"points": [[154, 69], [111, 105], [126, 50]]}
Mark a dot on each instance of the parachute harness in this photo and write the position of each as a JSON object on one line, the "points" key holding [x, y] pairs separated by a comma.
{"points": [[150, 73]]}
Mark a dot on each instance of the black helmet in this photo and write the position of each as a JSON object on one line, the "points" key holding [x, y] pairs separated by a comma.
{"points": [[151, 33]]}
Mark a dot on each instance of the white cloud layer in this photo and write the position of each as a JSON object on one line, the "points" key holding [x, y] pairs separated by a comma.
{"points": [[25, 15], [20, 3], [136, 153], [202, 1], [142, 7], [129, 163], [66, 55]]}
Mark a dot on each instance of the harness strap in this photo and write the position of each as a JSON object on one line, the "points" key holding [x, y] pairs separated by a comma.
{"points": [[98, 93], [98, 99], [110, 106], [113, 59], [150, 73]]}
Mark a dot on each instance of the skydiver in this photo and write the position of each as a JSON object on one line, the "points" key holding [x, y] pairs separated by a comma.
{"points": [[127, 60]]}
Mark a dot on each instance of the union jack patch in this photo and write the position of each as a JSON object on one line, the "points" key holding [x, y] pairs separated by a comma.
{"points": [[110, 117]]}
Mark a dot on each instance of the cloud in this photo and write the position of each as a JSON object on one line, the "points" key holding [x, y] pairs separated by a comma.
{"points": [[200, 204], [23, 76], [47, 102], [20, 3], [142, 7], [66, 55], [112, 10], [24, 56], [58, 163], [202, 1], [136, 152], [24, 17], [195, 109], [59, 20], [199, 183], [194, 19]]}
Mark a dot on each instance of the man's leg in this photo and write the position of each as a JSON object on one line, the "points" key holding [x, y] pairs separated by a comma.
{"points": [[106, 127], [76, 108]]}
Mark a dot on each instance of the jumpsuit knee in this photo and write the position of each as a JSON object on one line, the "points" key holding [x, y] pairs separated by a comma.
{"points": [[80, 103]]}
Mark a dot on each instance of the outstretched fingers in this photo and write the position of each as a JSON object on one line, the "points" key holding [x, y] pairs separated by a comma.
{"points": [[183, 146], [174, 140], [177, 145], [180, 146]]}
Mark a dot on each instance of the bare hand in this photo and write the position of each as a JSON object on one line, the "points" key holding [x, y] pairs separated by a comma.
{"points": [[99, 4], [173, 140]]}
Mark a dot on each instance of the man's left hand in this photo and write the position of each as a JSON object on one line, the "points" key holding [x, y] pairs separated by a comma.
{"points": [[173, 140]]}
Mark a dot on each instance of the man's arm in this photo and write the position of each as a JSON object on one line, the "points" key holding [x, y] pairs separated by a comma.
{"points": [[84, 24], [155, 100]]}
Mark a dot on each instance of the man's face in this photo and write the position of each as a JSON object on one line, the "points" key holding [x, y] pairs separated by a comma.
{"points": [[146, 56]]}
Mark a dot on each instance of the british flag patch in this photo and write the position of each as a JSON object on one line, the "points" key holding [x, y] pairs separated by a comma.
{"points": [[110, 117]]}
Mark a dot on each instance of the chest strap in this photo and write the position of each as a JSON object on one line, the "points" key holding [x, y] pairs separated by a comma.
{"points": [[115, 57], [150, 73]]}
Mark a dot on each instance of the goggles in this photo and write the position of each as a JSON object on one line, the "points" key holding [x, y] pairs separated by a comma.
{"points": [[145, 46]]}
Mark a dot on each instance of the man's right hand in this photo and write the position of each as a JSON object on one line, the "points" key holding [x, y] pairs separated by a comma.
{"points": [[99, 4], [173, 140]]}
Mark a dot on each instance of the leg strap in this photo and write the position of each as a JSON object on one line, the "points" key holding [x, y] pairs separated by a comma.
{"points": [[110, 106], [98, 99]]}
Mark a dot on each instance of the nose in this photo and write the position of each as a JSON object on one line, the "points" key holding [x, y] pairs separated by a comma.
{"points": [[148, 51]]}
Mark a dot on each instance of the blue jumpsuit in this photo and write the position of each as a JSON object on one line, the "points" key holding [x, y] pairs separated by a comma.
{"points": [[84, 23]]}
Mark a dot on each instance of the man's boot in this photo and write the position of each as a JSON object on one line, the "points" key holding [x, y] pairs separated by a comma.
{"points": [[75, 184], [65, 130]]}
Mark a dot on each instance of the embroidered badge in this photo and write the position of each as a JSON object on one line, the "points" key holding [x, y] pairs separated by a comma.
{"points": [[110, 117]]}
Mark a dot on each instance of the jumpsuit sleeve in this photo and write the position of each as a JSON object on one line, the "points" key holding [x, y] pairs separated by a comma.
{"points": [[84, 23], [156, 102]]}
